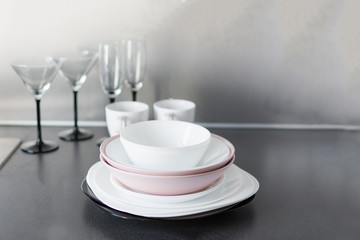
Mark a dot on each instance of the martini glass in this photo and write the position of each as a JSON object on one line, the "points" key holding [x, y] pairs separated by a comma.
{"points": [[135, 63], [37, 77], [75, 71], [110, 71]]}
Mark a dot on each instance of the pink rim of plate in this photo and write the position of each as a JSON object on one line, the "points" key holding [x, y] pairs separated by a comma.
{"points": [[196, 170]]}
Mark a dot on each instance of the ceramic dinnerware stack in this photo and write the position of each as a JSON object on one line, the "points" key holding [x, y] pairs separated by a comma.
{"points": [[168, 169]]}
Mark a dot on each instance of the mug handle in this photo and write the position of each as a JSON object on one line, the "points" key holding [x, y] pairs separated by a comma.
{"points": [[124, 121], [170, 116]]}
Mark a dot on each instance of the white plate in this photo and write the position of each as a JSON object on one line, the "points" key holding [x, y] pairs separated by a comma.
{"points": [[219, 151], [103, 181], [142, 198], [238, 186]]}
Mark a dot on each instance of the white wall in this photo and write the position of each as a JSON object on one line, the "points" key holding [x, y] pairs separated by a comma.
{"points": [[278, 61]]}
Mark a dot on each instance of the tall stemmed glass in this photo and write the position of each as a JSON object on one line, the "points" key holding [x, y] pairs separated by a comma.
{"points": [[135, 63], [111, 61], [37, 78], [75, 71]]}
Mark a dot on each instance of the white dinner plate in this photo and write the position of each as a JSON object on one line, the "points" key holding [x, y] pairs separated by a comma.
{"points": [[103, 182], [238, 185]]}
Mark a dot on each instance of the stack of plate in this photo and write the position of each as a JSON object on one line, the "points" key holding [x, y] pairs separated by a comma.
{"points": [[127, 190]]}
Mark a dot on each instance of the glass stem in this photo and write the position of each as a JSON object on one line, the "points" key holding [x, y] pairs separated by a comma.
{"points": [[134, 95], [39, 141], [76, 128]]}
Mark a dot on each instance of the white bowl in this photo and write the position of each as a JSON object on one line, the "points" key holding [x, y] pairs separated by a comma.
{"points": [[218, 153], [165, 145]]}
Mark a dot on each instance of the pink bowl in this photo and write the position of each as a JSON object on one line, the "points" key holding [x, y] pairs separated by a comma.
{"points": [[166, 185], [126, 165]]}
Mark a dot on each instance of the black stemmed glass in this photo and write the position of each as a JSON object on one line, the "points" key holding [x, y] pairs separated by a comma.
{"points": [[75, 71], [37, 77], [111, 60], [135, 63]]}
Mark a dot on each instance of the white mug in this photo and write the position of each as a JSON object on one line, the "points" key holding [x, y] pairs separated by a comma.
{"points": [[120, 114], [174, 109]]}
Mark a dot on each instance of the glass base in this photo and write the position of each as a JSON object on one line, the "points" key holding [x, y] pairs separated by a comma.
{"points": [[44, 147], [100, 140], [73, 135]]}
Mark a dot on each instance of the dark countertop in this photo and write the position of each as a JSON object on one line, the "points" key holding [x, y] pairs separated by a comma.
{"points": [[309, 189]]}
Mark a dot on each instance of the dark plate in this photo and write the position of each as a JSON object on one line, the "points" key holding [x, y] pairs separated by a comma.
{"points": [[88, 192]]}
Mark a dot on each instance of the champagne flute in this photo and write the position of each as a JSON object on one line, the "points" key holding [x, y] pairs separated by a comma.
{"points": [[135, 63], [110, 71], [75, 71], [37, 77]]}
